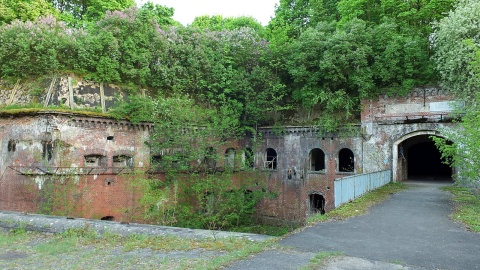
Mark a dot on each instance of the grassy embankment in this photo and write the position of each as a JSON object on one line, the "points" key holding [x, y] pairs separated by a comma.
{"points": [[467, 207]]}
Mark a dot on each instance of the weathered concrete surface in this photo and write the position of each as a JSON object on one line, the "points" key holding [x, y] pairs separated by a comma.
{"points": [[411, 229], [353, 263], [275, 259], [389, 121], [52, 224]]}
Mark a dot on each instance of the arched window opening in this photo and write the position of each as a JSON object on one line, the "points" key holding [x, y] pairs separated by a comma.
{"points": [[271, 159], [249, 158], [346, 160], [317, 204], [317, 160], [230, 158]]}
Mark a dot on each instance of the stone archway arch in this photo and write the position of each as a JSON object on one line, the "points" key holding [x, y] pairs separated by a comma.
{"points": [[398, 160]]}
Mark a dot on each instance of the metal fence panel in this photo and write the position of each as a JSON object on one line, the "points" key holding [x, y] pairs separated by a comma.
{"points": [[351, 187]]}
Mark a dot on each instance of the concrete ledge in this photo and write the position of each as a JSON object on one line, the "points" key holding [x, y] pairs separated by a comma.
{"points": [[54, 224]]}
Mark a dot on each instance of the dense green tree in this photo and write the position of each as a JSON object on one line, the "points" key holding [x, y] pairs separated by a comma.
{"points": [[416, 14], [120, 47], [24, 10], [162, 14], [455, 41], [330, 66], [297, 15], [367, 10], [457, 54], [219, 23], [77, 12], [463, 153], [36, 48], [217, 67], [400, 60]]}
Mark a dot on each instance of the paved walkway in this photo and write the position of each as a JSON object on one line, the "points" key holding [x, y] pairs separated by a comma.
{"points": [[411, 230]]}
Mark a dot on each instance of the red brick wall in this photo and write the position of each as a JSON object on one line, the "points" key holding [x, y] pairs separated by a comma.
{"points": [[23, 186]]}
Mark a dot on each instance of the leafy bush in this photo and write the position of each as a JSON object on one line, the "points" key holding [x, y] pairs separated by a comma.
{"points": [[35, 48]]}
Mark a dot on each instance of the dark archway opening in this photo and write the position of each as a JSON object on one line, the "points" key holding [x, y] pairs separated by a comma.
{"points": [[317, 204], [423, 160], [346, 160], [317, 160]]}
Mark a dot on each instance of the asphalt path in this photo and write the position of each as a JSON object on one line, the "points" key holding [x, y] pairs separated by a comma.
{"points": [[411, 230]]}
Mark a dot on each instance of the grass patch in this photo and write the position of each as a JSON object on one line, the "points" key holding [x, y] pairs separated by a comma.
{"points": [[467, 207], [172, 243], [317, 262], [57, 246], [8, 239], [360, 205], [84, 249], [31, 109]]}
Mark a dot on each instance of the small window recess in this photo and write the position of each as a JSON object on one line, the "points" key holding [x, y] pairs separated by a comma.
{"points": [[230, 158], [12, 146], [94, 160], [109, 181], [271, 159], [122, 161], [346, 160], [110, 138], [47, 150], [317, 160]]}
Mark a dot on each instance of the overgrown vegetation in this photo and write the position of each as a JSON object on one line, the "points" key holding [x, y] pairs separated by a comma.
{"points": [[83, 248], [36, 108], [360, 205], [199, 188], [314, 55], [467, 207], [458, 62]]}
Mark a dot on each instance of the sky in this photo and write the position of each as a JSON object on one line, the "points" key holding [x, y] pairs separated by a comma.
{"points": [[187, 10]]}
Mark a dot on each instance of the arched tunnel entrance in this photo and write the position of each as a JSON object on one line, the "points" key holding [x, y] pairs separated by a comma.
{"points": [[419, 159]]}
